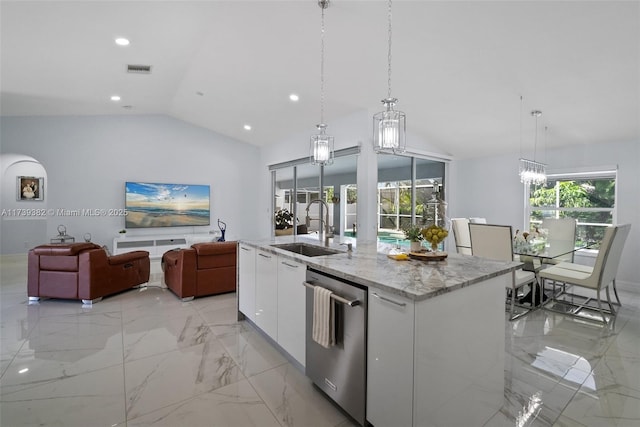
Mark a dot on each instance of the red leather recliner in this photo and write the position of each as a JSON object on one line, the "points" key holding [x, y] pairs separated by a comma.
{"points": [[204, 269], [83, 271]]}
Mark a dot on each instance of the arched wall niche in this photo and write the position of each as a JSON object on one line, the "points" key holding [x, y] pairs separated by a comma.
{"points": [[23, 223]]}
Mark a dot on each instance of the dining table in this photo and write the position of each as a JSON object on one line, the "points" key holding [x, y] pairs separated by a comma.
{"points": [[547, 249], [534, 254]]}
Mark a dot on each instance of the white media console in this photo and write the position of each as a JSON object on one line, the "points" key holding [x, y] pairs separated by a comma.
{"points": [[157, 245]]}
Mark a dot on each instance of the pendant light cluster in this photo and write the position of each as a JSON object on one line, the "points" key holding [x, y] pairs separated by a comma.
{"points": [[321, 145], [532, 171], [389, 126]]}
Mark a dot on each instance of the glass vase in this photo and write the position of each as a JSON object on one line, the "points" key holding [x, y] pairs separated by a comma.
{"points": [[435, 219]]}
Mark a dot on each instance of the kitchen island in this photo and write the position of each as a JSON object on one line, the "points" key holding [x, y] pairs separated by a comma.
{"points": [[435, 334]]}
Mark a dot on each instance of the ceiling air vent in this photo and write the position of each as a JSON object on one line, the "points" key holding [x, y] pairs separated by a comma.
{"points": [[139, 69]]}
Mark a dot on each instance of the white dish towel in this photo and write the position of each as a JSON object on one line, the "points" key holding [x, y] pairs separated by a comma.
{"points": [[323, 317]]}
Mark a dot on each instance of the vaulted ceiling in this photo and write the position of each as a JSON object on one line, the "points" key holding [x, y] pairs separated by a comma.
{"points": [[459, 67]]}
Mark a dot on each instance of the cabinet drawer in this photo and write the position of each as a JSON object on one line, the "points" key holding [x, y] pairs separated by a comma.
{"points": [[291, 308], [389, 371]]}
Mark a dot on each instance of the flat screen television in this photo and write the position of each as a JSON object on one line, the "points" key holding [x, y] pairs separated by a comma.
{"points": [[151, 204]]}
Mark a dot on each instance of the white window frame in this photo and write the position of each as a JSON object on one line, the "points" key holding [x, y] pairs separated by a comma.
{"points": [[592, 172]]}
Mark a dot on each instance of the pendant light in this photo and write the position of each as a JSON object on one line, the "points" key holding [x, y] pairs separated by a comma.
{"points": [[532, 171], [321, 145], [389, 126]]}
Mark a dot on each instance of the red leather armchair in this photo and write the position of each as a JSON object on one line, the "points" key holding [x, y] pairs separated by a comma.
{"points": [[204, 269], [83, 271]]}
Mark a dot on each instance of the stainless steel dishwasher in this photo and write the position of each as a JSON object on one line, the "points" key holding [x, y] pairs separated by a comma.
{"points": [[341, 370]]}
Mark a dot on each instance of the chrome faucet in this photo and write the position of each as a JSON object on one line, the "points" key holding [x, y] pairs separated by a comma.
{"points": [[327, 235]]}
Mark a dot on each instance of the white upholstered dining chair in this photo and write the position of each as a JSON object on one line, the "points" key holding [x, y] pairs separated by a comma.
{"points": [[478, 220], [496, 242], [460, 227], [560, 229], [596, 278]]}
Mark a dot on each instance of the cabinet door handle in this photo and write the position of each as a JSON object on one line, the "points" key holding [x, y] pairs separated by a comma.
{"points": [[290, 265], [264, 256], [401, 304], [245, 249]]}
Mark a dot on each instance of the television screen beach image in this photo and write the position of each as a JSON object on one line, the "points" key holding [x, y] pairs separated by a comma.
{"points": [[166, 205]]}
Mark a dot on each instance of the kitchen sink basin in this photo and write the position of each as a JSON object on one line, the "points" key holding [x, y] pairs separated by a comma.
{"points": [[306, 249]]}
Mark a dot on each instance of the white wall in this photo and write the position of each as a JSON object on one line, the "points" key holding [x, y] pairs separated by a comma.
{"points": [[489, 187], [87, 160]]}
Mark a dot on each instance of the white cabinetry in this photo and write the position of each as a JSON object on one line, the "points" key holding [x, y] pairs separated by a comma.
{"points": [[157, 245], [272, 295], [390, 359], [267, 293], [291, 308], [440, 360], [459, 355], [247, 281]]}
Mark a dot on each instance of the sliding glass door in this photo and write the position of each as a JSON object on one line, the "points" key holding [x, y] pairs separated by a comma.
{"points": [[404, 186], [296, 186]]}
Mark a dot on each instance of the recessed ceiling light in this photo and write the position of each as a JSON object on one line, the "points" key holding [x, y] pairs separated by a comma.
{"points": [[121, 41], [115, 97], [247, 127], [294, 97]]}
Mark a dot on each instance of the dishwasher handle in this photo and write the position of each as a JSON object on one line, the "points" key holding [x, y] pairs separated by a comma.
{"points": [[338, 298]]}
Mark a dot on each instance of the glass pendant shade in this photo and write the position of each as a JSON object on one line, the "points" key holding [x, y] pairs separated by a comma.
{"points": [[389, 129], [321, 147], [532, 172]]}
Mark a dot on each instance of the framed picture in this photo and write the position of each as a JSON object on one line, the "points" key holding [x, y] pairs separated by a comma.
{"points": [[30, 188]]}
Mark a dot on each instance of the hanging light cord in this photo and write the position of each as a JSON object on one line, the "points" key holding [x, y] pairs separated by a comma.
{"points": [[520, 126], [389, 52], [323, 6], [544, 147], [535, 143]]}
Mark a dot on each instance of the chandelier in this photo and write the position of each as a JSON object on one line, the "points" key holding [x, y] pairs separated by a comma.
{"points": [[321, 144], [532, 171], [389, 126]]}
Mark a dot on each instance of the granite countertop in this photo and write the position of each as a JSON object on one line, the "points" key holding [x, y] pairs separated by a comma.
{"points": [[369, 265]]}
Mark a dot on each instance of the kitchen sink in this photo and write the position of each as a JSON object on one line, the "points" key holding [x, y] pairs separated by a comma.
{"points": [[307, 249]]}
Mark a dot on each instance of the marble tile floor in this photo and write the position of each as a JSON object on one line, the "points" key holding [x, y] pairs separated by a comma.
{"points": [[144, 358]]}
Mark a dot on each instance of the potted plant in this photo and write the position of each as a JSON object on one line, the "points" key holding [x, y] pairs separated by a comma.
{"points": [[283, 220], [414, 235]]}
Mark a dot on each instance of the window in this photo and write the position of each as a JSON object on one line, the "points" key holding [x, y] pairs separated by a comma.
{"points": [[296, 183], [589, 197], [349, 193], [404, 186], [395, 203]]}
